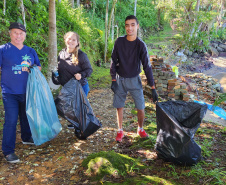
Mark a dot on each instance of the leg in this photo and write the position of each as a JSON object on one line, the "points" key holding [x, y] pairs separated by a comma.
{"points": [[119, 117], [135, 89], [140, 116], [118, 103], [24, 125], [11, 106], [140, 130], [120, 133]]}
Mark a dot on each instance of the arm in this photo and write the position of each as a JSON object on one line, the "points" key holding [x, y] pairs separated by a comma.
{"points": [[36, 60], [0, 59], [114, 61], [86, 66], [147, 66], [148, 71]]}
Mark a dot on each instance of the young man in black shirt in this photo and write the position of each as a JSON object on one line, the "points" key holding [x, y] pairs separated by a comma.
{"points": [[128, 54]]}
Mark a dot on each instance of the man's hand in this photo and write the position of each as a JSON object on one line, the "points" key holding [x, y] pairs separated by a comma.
{"points": [[114, 85], [154, 95]]}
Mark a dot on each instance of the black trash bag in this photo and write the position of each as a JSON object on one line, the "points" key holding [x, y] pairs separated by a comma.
{"points": [[73, 105], [177, 122]]}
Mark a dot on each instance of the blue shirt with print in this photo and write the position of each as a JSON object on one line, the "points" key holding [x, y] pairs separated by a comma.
{"points": [[13, 63]]}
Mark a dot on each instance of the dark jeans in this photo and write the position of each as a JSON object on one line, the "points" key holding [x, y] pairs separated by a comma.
{"points": [[14, 105]]}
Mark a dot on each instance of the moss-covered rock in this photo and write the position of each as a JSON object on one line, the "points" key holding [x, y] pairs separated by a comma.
{"points": [[110, 163]]}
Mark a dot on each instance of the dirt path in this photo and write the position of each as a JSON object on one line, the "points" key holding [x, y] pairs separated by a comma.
{"points": [[218, 71], [59, 160]]}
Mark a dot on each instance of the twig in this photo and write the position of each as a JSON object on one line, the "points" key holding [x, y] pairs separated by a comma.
{"points": [[173, 52]]}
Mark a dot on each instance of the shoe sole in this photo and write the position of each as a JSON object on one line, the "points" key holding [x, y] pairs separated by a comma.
{"points": [[15, 161], [141, 136], [70, 128], [144, 137], [119, 141], [27, 143]]}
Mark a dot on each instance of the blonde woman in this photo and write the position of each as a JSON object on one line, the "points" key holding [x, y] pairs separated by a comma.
{"points": [[73, 63]]}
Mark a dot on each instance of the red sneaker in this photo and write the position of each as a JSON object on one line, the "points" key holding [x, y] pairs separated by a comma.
{"points": [[119, 136], [142, 133]]}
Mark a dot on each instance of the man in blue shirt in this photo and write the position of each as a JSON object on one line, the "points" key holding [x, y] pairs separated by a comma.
{"points": [[128, 54], [15, 58]]}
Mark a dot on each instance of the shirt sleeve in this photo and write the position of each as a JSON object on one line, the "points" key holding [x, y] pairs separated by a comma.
{"points": [[36, 59], [146, 64], [86, 66], [1, 48], [114, 61]]}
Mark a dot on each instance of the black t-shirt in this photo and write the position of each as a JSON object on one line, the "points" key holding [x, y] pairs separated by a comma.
{"points": [[67, 70], [127, 57]]}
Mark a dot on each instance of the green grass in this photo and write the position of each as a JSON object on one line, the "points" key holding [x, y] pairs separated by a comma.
{"points": [[165, 36], [142, 180], [100, 77], [160, 41]]}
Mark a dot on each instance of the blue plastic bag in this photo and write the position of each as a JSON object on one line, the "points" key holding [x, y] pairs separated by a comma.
{"points": [[217, 110], [40, 108]]}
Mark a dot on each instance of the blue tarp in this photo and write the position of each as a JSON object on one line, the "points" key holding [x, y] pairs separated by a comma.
{"points": [[217, 110], [40, 108]]}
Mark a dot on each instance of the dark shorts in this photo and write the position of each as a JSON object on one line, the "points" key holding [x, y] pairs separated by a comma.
{"points": [[134, 87]]}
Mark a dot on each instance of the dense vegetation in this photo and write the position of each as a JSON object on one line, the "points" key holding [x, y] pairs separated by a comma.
{"points": [[89, 21]]}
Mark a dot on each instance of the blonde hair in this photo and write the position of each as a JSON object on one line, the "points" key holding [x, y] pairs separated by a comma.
{"points": [[75, 51]]}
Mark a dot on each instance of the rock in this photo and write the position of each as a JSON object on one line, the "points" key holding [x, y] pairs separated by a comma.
{"points": [[214, 44], [223, 46], [222, 80], [214, 52], [187, 52], [195, 55], [222, 54], [207, 54], [220, 49]]}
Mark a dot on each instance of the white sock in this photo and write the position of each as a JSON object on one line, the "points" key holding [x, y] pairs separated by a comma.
{"points": [[140, 128], [120, 130]]}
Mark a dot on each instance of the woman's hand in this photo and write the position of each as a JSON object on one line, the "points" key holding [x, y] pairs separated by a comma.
{"points": [[78, 76]]}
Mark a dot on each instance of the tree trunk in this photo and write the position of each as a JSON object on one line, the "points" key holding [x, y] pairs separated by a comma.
{"points": [[197, 6], [52, 48], [135, 7], [111, 16], [72, 3], [21, 5], [159, 17], [4, 7], [221, 14], [113, 26], [94, 7], [78, 3], [197, 10], [106, 32]]}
